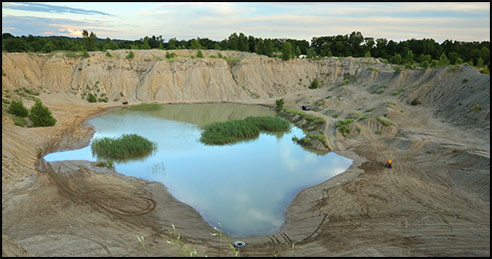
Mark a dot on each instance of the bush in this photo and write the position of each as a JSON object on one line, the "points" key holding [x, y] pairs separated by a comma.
{"points": [[415, 102], [342, 125], [19, 121], [314, 84], [199, 54], [85, 54], [91, 98], [477, 107], [130, 55], [108, 54], [170, 55], [280, 104], [40, 115], [126, 147], [18, 108]]}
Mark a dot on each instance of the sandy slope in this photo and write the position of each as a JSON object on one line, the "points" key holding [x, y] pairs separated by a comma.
{"points": [[434, 202]]}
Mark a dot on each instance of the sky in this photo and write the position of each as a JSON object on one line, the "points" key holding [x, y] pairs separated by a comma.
{"points": [[398, 21]]}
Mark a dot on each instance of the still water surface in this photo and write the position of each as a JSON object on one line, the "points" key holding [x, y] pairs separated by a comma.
{"points": [[246, 187]]}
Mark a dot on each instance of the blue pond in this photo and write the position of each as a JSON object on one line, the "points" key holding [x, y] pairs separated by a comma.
{"points": [[246, 187]]}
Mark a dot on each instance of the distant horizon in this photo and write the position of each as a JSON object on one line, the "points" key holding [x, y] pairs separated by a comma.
{"points": [[167, 40], [397, 21]]}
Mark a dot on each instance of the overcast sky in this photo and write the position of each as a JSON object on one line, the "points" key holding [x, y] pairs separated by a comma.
{"points": [[462, 21]]}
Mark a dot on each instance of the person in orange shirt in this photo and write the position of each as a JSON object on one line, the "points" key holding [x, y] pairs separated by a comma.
{"points": [[389, 164]]}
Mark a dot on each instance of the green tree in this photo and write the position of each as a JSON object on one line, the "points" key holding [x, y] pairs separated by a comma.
{"points": [[286, 51], [397, 58], [199, 54], [297, 52], [109, 44], [279, 104], [49, 47], [145, 44], [269, 47], [15, 45], [172, 43], [443, 60], [368, 54], [194, 44], [485, 70], [409, 58], [479, 62], [311, 53], [17, 108], [40, 115], [242, 44]]}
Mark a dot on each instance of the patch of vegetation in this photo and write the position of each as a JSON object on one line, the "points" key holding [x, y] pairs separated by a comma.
{"points": [[199, 54], [279, 104], [311, 120], [308, 139], [386, 123], [29, 91], [85, 54], [390, 103], [170, 55], [373, 68], [228, 132], [130, 55], [380, 91], [91, 98], [128, 146], [40, 115], [5, 101], [18, 108], [477, 107], [19, 121], [108, 163], [232, 61], [342, 126], [314, 84], [415, 101], [465, 80], [397, 70], [144, 107], [108, 54]]}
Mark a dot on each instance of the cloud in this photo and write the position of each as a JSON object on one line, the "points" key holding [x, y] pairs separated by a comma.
{"points": [[37, 7], [24, 25]]}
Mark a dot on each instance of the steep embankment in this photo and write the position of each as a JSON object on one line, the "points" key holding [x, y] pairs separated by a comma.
{"points": [[150, 77], [435, 201]]}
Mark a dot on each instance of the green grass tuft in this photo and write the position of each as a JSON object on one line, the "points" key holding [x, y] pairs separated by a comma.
{"points": [[384, 122]]}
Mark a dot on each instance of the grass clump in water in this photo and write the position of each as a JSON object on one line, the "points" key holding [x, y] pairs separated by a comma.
{"points": [[228, 132], [127, 146]]}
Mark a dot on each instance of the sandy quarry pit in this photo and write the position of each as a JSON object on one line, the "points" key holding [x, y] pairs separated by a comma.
{"points": [[434, 202]]}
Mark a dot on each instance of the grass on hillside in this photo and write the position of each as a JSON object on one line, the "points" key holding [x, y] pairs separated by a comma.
{"points": [[127, 146]]}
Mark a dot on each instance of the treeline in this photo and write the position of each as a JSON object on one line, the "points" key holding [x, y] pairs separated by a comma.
{"points": [[426, 52]]}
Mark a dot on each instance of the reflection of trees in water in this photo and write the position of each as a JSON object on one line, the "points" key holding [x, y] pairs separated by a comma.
{"points": [[159, 168]]}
